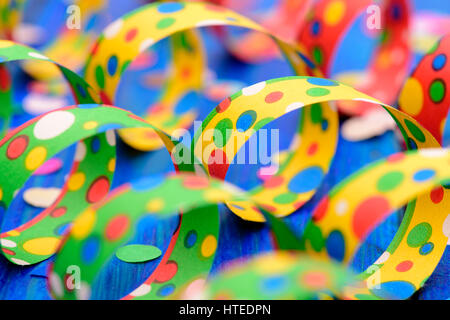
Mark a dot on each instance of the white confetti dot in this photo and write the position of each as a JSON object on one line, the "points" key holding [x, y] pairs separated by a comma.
{"points": [[113, 29], [55, 284], [146, 44], [433, 153], [294, 106], [20, 262], [53, 124], [254, 89], [341, 207], [37, 55], [141, 290], [211, 22], [446, 226], [8, 243], [111, 137], [80, 153], [84, 293], [383, 258], [41, 197]]}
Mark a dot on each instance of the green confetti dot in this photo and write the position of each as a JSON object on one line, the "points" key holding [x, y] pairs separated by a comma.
{"points": [[415, 131], [317, 55], [317, 92], [315, 237], [222, 132], [316, 113], [100, 77], [285, 198], [135, 253], [390, 181], [419, 235], [165, 23], [437, 91]]}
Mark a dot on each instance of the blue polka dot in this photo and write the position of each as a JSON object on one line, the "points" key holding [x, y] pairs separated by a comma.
{"points": [[189, 101], [424, 175], [95, 144], [324, 125], [166, 290], [274, 284], [246, 120], [439, 62], [336, 245], [88, 106], [62, 229], [394, 290], [112, 65], [322, 82], [147, 183], [90, 249], [426, 248], [412, 145], [81, 90], [396, 12], [315, 28], [91, 23], [306, 180], [190, 239], [170, 7], [308, 62]]}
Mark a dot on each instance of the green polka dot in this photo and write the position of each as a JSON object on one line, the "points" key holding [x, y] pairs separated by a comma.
{"points": [[285, 198], [317, 92], [419, 235], [415, 131], [390, 181], [261, 123], [124, 66], [437, 91], [165, 23], [222, 132], [317, 55], [361, 296], [316, 113], [100, 77], [315, 237]]}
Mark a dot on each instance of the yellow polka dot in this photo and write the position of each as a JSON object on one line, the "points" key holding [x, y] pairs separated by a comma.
{"points": [[216, 195], [112, 164], [90, 125], [76, 181], [83, 224], [274, 263], [35, 158], [209, 246], [5, 43], [1, 194], [41, 246], [155, 205], [13, 233], [334, 12], [411, 97]]}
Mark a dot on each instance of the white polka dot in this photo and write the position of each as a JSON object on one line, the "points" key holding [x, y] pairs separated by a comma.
{"points": [[146, 44], [41, 197], [84, 293], [253, 89], [113, 29], [446, 226], [111, 137], [367, 100], [37, 55], [294, 106], [53, 124], [341, 207], [195, 290], [80, 153], [20, 262], [8, 243], [383, 258], [142, 290], [211, 22], [433, 153], [55, 284]]}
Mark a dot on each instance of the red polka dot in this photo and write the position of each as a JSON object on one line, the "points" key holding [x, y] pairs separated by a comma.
{"points": [[315, 280], [223, 105], [312, 149], [58, 212], [404, 266], [396, 157], [117, 227], [167, 272], [95, 48], [218, 164], [274, 96], [186, 73], [5, 79], [105, 99], [273, 182], [98, 190], [10, 252], [131, 35], [437, 195], [196, 182], [321, 209], [269, 208], [17, 147], [368, 214]]}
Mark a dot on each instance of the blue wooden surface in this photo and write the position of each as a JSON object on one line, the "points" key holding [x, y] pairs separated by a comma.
{"points": [[238, 238]]}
